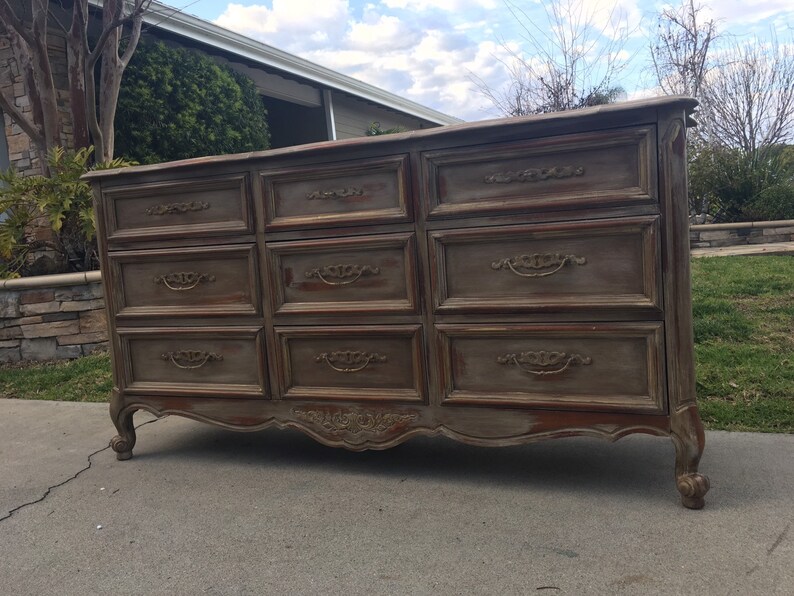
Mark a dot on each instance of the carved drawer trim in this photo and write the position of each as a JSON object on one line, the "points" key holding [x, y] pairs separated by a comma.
{"points": [[211, 206], [351, 363], [598, 265], [575, 366], [375, 190], [575, 170], [344, 276], [196, 282], [192, 361]]}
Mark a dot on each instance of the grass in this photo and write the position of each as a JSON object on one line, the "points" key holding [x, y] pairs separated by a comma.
{"points": [[83, 379], [744, 345], [743, 310]]}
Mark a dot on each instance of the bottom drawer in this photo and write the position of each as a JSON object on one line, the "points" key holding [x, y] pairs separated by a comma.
{"points": [[604, 366], [367, 362], [206, 362]]}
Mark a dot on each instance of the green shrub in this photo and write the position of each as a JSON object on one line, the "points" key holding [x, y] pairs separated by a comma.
{"points": [[176, 103], [61, 202], [735, 185]]}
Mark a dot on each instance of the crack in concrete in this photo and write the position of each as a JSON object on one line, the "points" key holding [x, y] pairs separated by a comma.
{"points": [[54, 486], [780, 538]]}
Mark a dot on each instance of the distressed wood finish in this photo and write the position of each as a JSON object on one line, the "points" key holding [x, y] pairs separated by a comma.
{"points": [[496, 283], [352, 363], [160, 210], [344, 276], [373, 190], [599, 367], [188, 282], [609, 264], [567, 171]]}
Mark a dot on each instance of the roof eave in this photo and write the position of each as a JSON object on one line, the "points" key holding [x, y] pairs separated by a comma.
{"points": [[179, 23]]}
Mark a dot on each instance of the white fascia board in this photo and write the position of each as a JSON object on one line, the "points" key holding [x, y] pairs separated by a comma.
{"points": [[172, 20]]}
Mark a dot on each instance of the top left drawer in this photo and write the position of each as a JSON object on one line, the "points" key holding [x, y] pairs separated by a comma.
{"points": [[210, 206]]}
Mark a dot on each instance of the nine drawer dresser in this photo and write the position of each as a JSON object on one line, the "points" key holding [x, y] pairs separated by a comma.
{"points": [[496, 282]]}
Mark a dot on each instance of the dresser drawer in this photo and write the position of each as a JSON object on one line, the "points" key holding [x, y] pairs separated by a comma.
{"points": [[363, 275], [599, 366], [213, 206], [369, 363], [578, 170], [186, 282], [207, 362], [602, 264], [353, 192]]}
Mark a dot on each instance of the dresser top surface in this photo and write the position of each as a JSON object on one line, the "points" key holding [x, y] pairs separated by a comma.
{"points": [[486, 131]]}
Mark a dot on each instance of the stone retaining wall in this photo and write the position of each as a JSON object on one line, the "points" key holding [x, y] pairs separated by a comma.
{"points": [[55, 319], [737, 234]]}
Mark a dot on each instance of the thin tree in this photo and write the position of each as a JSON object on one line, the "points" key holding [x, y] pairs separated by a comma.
{"points": [[568, 61], [680, 53], [26, 28], [749, 103]]}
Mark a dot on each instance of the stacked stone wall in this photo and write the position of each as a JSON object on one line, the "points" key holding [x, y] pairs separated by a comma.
{"points": [[52, 323], [738, 234]]}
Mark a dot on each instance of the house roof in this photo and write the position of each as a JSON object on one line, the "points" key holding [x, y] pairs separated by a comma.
{"points": [[174, 21]]}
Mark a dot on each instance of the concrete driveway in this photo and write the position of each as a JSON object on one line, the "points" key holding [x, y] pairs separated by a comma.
{"points": [[200, 510]]}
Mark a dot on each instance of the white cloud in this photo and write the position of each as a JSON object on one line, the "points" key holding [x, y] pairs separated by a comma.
{"points": [[427, 60], [743, 12], [289, 23], [387, 33], [428, 50], [443, 5]]}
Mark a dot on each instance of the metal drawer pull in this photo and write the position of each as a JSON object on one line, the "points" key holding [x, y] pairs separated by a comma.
{"points": [[190, 359], [534, 174], [183, 280], [342, 273], [350, 361], [537, 261], [337, 193], [171, 208], [545, 360]]}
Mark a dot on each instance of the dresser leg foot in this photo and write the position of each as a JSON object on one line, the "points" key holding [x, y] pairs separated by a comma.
{"points": [[123, 442], [689, 440]]}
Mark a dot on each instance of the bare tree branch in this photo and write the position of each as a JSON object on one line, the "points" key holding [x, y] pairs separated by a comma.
{"points": [[18, 116], [680, 53], [568, 61], [750, 102]]}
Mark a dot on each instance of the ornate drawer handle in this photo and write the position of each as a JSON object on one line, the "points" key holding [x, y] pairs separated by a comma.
{"points": [[171, 208], [336, 193], [545, 360], [183, 280], [342, 273], [537, 261], [190, 359], [534, 174], [351, 361]]}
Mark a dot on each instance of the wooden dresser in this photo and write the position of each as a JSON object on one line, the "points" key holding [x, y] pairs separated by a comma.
{"points": [[496, 282]]}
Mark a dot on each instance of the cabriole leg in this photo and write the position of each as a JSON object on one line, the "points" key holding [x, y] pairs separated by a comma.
{"points": [[689, 439], [123, 442]]}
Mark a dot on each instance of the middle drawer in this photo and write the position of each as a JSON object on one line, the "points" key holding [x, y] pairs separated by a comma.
{"points": [[340, 276]]}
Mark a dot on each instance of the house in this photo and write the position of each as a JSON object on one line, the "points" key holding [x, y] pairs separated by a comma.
{"points": [[306, 102]]}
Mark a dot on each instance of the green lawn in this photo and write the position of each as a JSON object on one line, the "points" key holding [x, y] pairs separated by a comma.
{"points": [[83, 379], [743, 311], [744, 345]]}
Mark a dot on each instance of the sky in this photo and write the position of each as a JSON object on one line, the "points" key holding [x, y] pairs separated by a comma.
{"points": [[439, 53]]}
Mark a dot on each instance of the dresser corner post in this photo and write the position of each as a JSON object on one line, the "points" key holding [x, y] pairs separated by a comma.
{"points": [[686, 430], [123, 442]]}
